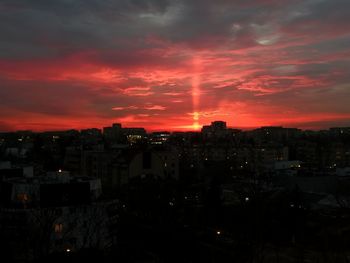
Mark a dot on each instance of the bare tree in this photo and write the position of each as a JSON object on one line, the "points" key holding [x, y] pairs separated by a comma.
{"points": [[41, 229]]}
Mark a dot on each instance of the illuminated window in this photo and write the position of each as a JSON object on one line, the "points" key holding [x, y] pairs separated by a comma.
{"points": [[22, 197], [58, 228]]}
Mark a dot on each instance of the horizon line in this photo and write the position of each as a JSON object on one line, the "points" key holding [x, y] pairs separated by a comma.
{"points": [[184, 130]]}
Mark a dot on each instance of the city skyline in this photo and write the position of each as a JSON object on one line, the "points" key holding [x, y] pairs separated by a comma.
{"points": [[200, 129], [174, 65]]}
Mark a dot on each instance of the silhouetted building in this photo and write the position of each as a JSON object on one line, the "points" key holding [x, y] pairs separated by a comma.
{"points": [[155, 163]]}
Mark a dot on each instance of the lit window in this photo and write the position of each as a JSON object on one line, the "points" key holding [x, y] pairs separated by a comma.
{"points": [[22, 197], [58, 228]]}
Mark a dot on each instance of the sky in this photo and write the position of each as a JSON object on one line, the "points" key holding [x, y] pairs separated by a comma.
{"points": [[174, 65]]}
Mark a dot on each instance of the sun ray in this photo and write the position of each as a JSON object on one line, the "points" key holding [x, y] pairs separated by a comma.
{"points": [[196, 92]]}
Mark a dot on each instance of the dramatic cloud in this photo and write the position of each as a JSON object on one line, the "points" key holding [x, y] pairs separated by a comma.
{"points": [[174, 64]]}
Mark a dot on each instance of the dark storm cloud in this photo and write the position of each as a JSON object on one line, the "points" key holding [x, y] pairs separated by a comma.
{"points": [[67, 26], [64, 26], [41, 28]]}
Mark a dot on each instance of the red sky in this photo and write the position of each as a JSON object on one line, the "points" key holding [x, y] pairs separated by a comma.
{"points": [[174, 65]]}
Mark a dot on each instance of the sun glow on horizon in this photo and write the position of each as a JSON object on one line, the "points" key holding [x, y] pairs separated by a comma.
{"points": [[193, 127]]}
